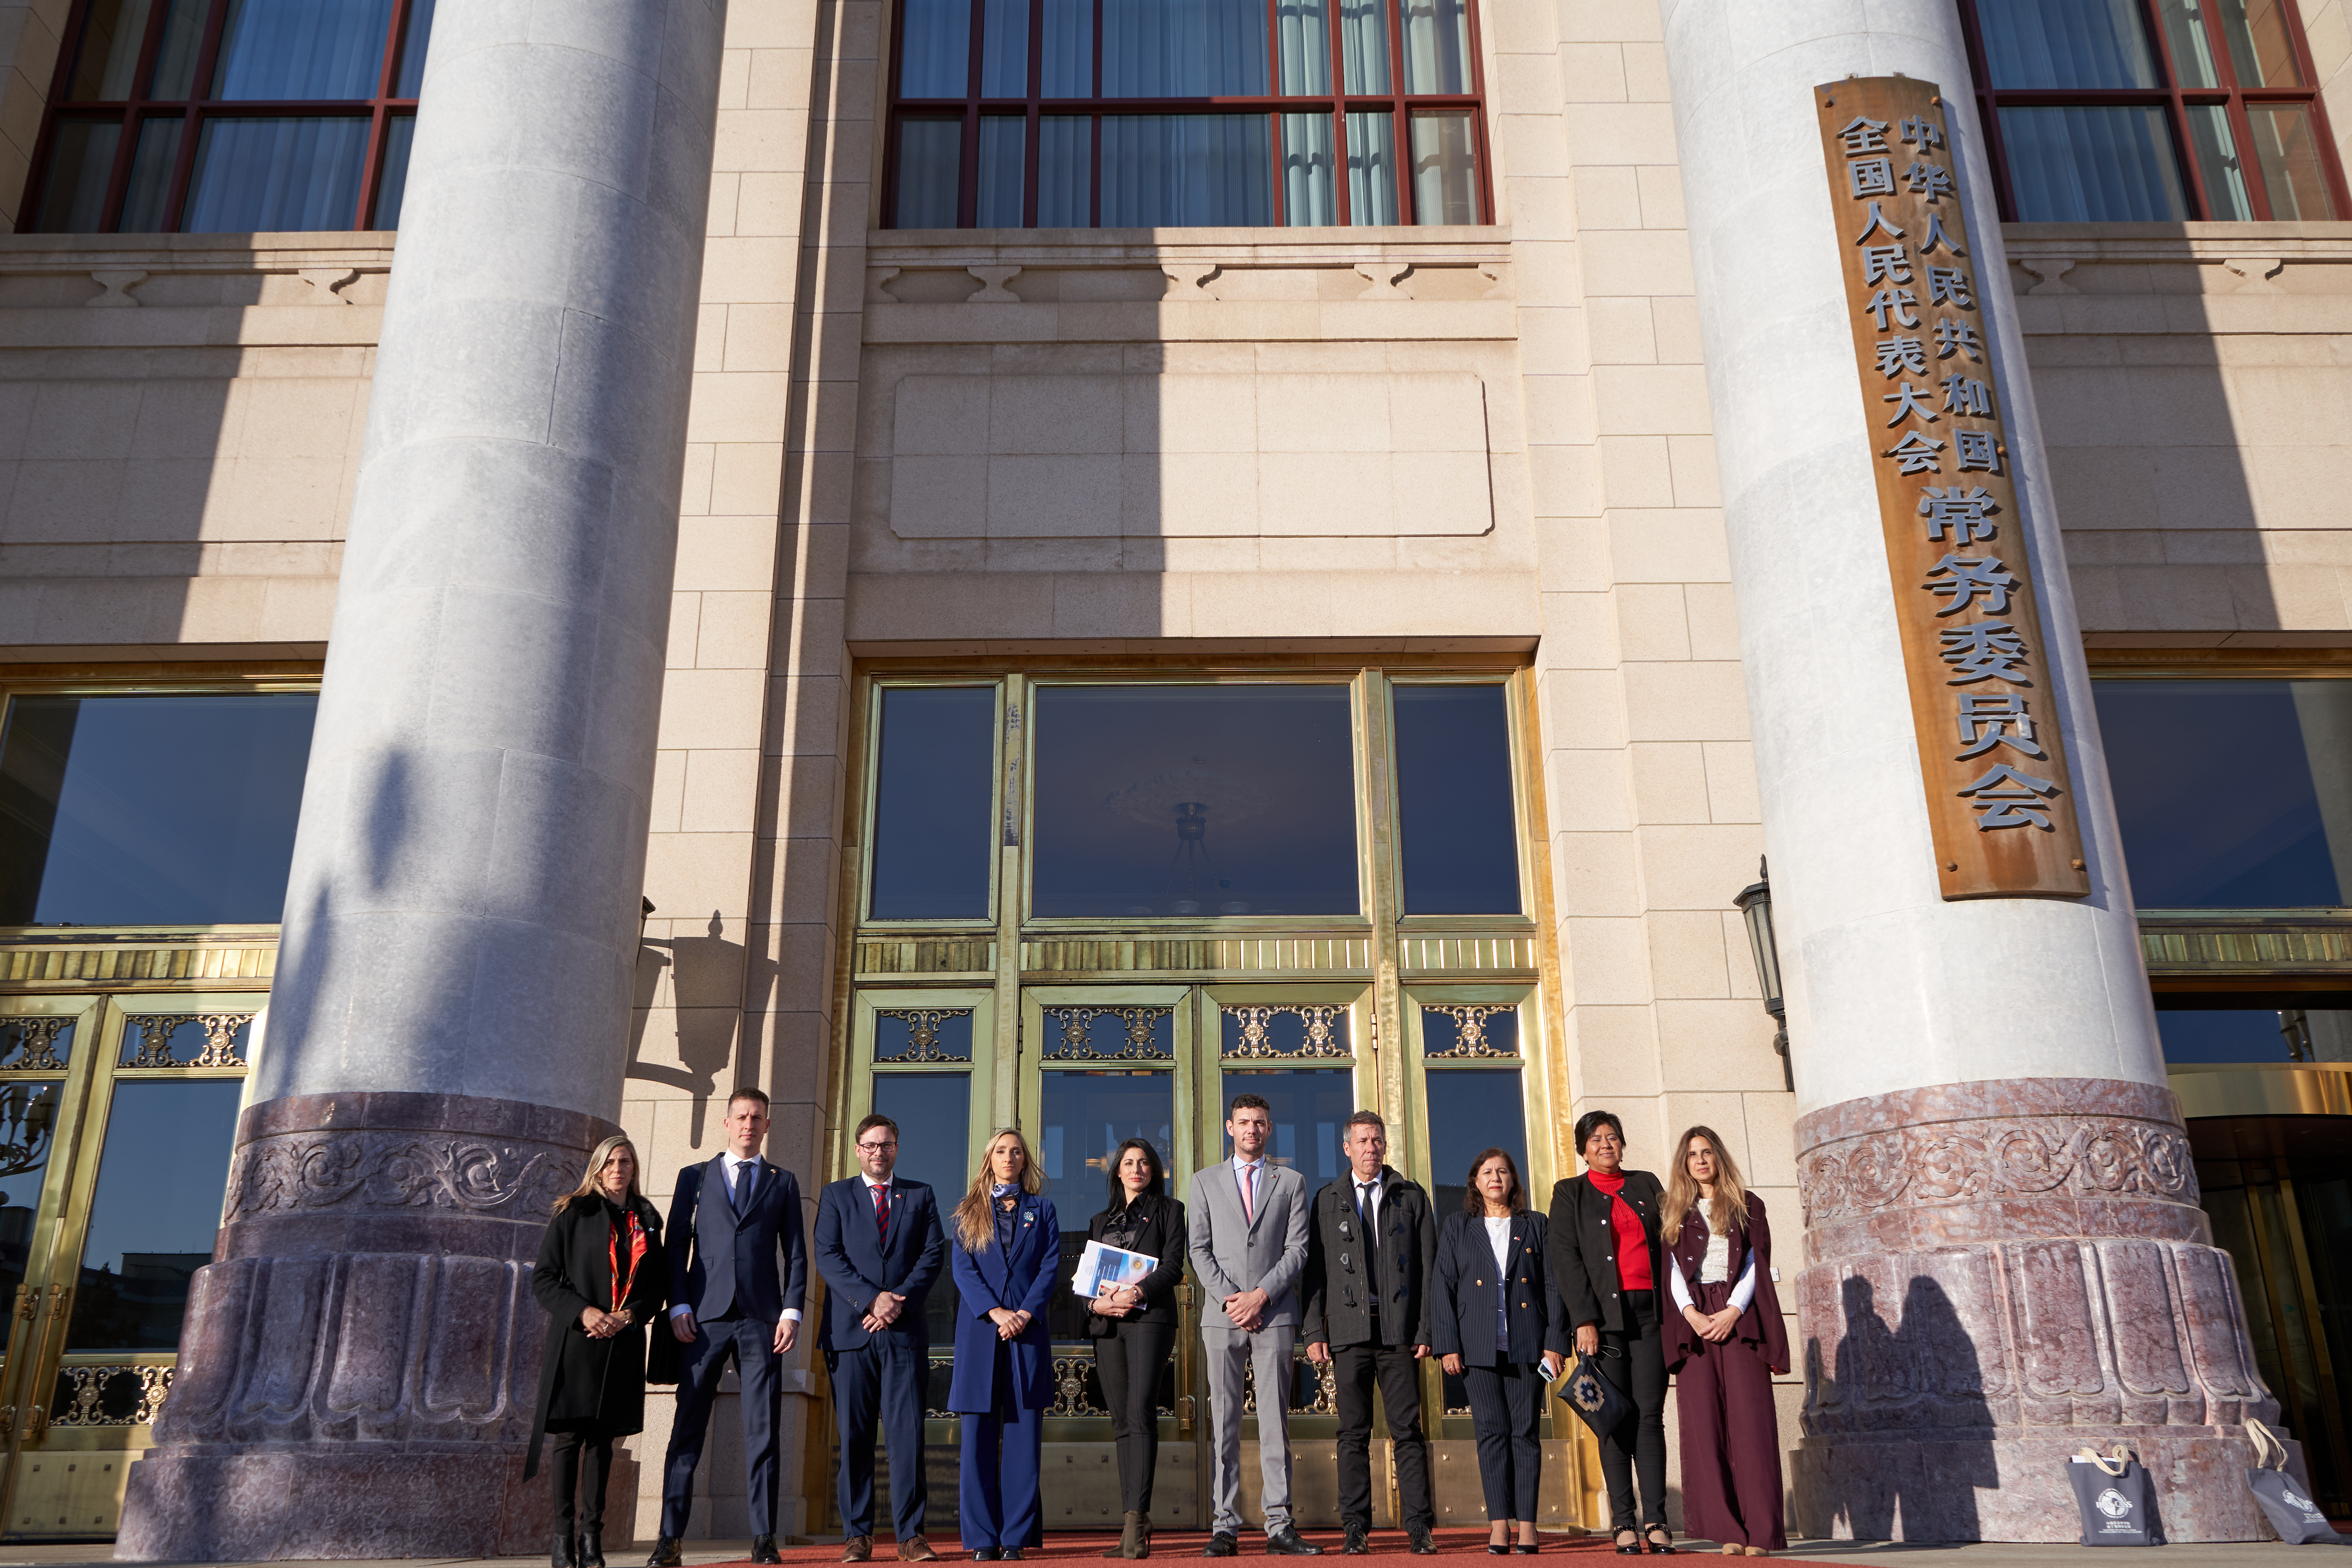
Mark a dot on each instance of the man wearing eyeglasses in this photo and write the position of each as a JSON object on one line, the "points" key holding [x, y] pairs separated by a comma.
{"points": [[731, 1221], [878, 1250]]}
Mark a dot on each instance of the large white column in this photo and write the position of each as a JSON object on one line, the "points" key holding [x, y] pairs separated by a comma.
{"points": [[447, 1036], [2004, 1258]]}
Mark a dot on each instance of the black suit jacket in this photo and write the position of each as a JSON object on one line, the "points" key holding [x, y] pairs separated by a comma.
{"points": [[1165, 1237], [1462, 1311], [857, 1261], [1339, 1289], [702, 1232], [1583, 1247]]}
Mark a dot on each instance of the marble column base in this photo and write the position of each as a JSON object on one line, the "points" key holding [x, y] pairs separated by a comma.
{"points": [[1997, 1275], [360, 1363]]}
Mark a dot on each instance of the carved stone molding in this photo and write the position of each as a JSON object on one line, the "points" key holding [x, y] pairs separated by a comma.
{"points": [[1954, 1161], [399, 1170]]}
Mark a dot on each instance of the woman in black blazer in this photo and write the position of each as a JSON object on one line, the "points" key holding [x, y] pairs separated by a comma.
{"points": [[1605, 1256], [1134, 1329], [602, 1278], [1495, 1318]]}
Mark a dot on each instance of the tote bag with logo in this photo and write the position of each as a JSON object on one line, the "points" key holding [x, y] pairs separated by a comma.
{"points": [[2291, 1511], [2117, 1500]]}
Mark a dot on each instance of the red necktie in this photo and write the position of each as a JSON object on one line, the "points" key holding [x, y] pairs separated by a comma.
{"points": [[882, 1213]]}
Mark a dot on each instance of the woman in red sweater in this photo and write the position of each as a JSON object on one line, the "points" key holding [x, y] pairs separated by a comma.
{"points": [[1603, 1242]]}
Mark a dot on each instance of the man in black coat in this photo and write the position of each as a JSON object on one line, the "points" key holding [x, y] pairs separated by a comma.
{"points": [[1370, 1241], [731, 1222]]}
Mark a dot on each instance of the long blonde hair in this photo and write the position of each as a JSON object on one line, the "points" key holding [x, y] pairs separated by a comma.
{"points": [[975, 1225], [1730, 1209], [588, 1186]]}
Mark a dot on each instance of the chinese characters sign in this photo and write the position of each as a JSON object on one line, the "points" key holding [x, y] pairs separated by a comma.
{"points": [[2000, 797]]}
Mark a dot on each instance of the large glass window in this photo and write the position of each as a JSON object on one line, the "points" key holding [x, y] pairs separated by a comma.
{"points": [[1193, 800], [933, 1110], [222, 116], [171, 809], [934, 793], [1087, 1114], [1459, 836], [2231, 794], [153, 1218], [1151, 113], [2096, 116]]}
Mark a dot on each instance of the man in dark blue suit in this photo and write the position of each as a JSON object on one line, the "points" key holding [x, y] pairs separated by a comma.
{"points": [[729, 1221], [878, 1250]]}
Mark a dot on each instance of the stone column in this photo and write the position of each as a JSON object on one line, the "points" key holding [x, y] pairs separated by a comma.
{"points": [[359, 1364], [2003, 1257]]}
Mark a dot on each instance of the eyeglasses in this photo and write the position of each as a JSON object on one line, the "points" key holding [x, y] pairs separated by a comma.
{"points": [[876, 1148]]}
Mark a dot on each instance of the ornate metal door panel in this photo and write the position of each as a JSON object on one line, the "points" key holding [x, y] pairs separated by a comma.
{"points": [[118, 1114]]}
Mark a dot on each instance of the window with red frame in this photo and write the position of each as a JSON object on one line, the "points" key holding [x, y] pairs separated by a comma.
{"points": [[1148, 113], [221, 116], [2152, 111]]}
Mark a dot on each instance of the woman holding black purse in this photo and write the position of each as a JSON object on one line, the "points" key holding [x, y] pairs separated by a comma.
{"points": [[1604, 1249], [602, 1276], [1134, 1328]]}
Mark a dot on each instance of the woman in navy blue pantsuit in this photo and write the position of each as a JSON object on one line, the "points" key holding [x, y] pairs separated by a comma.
{"points": [[1006, 1258]]}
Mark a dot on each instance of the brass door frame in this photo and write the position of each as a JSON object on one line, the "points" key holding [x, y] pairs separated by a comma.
{"points": [[37, 1432]]}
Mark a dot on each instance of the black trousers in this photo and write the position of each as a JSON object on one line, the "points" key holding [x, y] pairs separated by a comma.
{"points": [[587, 1449], [1128, 1361], [1357, 1368], [1505, 1403], [1638, 1447]]}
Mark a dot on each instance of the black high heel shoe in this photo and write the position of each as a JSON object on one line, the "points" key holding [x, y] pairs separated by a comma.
{"points": [[1660, 1541], [1629, 1543], [1526, 1548]]}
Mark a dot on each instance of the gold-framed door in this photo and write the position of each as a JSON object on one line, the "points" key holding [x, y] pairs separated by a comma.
{"points": [[144, 1092]]}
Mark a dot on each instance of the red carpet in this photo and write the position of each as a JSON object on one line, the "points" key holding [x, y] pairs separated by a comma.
{"points": [[1458, 1547]]}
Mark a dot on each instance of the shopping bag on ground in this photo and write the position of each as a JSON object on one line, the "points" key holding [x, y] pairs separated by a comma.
{"points": [[1601, 1403], [2293, 1514], [2117, 1500]]}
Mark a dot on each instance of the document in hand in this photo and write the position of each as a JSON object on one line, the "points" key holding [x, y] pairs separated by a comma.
{"points": [[1103, 1268]]}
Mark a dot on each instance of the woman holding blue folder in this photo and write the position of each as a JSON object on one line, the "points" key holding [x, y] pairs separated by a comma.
{"points": [[1134, 1328]]}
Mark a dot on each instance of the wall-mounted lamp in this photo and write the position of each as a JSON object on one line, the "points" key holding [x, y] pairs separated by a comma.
{"points": [[644, 915], [1755, 906]]}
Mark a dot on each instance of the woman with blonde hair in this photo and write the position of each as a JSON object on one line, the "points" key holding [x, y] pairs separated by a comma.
{"points": [[602, 1276], [1724, 1342], [1006, 1256]]}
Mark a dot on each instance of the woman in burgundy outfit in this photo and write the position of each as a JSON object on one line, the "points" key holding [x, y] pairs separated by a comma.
{"points": [[1602, 1244], [1724, 1342]]}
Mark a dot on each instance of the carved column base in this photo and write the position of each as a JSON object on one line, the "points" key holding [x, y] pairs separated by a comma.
{"points": [[360, 1364], [1998, 1275]]}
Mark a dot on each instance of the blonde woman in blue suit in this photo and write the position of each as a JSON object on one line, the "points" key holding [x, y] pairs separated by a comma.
{"points": [[1006, 1255]]}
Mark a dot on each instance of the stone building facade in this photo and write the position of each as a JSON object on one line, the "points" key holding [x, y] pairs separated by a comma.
{"points": [[1595, 453]]}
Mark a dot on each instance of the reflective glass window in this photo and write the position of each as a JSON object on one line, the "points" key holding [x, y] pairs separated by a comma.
{"points": [[1308, 1107], [1192, 801], [2145, 111], [149, 810], [1472, 1109], [2231, 794], [2239, 1033], [935, 789], [28, 1124], [933, 1110], [300, 120], [1084, 1116], [153, 1214], [1456, 826]]}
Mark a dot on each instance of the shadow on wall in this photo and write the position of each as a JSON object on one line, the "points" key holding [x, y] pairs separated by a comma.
{"points": [[705, 976], [1886, 1384]]}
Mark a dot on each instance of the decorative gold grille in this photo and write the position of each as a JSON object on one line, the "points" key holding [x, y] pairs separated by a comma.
{"points": [[1075, 1026], [1327, 1388], [923, 1034], [111, 1396], [1469, 1031], [1325, 1032], [30, 1045], [221, 1049]]}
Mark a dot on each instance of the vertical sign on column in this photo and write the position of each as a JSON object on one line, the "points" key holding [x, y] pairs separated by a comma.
{"points": [[1999, 798]]}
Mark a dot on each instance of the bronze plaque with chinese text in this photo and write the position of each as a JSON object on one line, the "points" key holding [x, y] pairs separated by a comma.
{"points": [[2001, 799]]}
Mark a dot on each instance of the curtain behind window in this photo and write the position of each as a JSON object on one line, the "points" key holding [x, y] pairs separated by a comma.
{"points": [[2093, 165], [1184, 49], [302, 49], [1185, 169], [2066, 43], [277, 173]]}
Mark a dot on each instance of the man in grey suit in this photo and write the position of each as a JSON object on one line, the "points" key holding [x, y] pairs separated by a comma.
{"points": [[1248, 1235]]}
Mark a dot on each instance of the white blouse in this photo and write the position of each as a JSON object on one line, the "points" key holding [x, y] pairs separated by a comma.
{"points": [[1713, 1270]]}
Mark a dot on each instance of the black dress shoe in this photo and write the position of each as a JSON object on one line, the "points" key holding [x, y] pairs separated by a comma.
{"points": [[1287, 1544], [1357, 1545], [763, 1548], [665, 1553], [1497, 1549], [1008, 1554], [1527, 1548], [1220, 1545], [985, 1554], [1664, 1548], [592, 1546], [1423, 1542], [567, 1550], [1628, 1544]]}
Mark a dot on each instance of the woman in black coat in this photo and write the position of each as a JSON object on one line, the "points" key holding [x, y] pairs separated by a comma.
{"points": [[602, 1276], [1134, 1329], [1605, 1256], [1496, 1318]]}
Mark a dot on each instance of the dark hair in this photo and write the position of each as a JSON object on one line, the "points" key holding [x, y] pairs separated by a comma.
{"points": [[870, 1123], [1362, 1119], [748, 1092], [1151, 1195], [1474, 1201], [1592, 1121], [1250, 1102]]}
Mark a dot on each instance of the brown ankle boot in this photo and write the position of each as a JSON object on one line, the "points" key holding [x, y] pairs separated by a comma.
{"points": [[1132, 1536]]}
